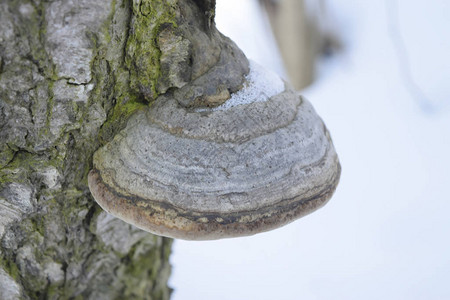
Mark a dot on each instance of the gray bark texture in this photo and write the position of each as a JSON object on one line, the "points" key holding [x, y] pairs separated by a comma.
{"points": [[71, 73]]}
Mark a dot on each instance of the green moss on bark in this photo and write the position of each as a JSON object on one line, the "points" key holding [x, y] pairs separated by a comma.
{"points": [[143, 54], [69, 259]]}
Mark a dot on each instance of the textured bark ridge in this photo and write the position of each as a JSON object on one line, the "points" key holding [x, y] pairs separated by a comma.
{"points": [[71, 72]]}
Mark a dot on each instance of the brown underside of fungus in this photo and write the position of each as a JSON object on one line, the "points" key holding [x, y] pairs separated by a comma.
{"points": [[220, 163]]}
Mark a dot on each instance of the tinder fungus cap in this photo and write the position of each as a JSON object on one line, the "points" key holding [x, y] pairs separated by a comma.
{"points": [[259, 161]]}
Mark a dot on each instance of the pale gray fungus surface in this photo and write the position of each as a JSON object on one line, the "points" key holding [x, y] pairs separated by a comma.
{"points": [[217, 173]]}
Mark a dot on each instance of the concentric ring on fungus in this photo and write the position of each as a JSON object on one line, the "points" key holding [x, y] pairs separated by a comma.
{"points": [[221, 172]]}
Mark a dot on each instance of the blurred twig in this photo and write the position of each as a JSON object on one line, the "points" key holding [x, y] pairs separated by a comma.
{"points": [[403, 57]]}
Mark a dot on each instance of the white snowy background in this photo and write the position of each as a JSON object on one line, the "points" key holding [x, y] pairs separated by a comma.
{"points": [[385, 234]]}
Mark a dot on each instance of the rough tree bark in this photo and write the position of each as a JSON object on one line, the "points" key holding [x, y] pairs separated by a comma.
{"points": [[71, 72]]}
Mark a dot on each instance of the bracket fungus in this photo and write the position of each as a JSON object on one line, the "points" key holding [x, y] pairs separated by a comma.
{"points": [[224, 162]]}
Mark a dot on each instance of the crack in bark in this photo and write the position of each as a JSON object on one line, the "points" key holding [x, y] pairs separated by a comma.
{"points": [[58, 231]]}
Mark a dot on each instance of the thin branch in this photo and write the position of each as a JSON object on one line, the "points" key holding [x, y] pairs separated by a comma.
{"points": [[403, 58]]}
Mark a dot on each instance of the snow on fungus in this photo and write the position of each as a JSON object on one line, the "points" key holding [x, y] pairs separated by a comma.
{"points": [[260, 85]]}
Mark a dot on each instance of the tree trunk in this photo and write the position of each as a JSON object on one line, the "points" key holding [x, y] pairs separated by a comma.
{"points": [[298, 39], [71, 72]]}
